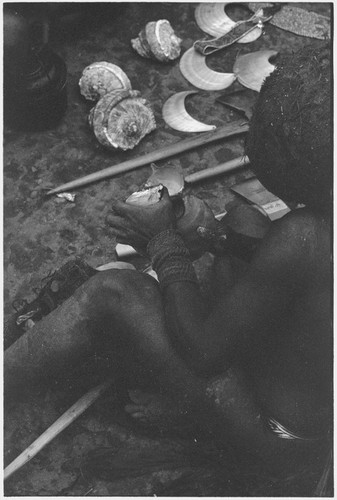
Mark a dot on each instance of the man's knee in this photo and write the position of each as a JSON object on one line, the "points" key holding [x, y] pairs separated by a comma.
{"points": [[116, 288]]}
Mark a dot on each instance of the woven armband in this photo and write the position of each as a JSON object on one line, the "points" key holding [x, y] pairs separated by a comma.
{"points": [[171, 259]]}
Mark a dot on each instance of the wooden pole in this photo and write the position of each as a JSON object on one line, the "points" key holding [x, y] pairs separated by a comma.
{"points": [[223, 132], [61, 423]]}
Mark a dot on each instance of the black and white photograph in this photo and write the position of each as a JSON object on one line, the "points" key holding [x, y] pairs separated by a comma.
{"points": [[168, 249]]}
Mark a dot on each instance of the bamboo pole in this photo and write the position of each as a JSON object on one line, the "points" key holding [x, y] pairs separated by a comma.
{"points": [[57, 427], [219, 169], [222, 132]]}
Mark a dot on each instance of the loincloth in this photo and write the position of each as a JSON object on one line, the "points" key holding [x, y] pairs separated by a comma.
{"points": [[284, 433]]}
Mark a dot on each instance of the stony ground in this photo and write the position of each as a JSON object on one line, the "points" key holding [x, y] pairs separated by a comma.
{"points": [[40, 235]]}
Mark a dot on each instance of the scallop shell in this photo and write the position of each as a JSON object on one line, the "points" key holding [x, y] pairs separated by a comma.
{"points": [[170, 177], [121, 119], [176, 116], [252, 69], [158, 40], [194, 68], [145, 197], [99, 78], [212, 19]]}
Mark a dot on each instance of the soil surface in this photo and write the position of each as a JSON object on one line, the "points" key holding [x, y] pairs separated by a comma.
{"points": [[40, 234]]}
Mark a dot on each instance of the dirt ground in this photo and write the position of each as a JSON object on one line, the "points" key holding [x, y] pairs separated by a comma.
{"points": [[42, 234]]}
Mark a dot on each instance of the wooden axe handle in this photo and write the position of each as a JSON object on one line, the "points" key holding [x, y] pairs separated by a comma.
{"points": [[222, 132]]}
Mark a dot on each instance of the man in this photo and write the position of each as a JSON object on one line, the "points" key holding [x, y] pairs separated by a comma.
{"points": [[255, 370]]}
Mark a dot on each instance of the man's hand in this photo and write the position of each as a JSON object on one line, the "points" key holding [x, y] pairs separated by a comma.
{"points": [[136, 226]]}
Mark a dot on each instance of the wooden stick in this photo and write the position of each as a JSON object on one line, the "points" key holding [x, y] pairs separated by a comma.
{"points": [[219, 169], [61, 423], [227, 130]]}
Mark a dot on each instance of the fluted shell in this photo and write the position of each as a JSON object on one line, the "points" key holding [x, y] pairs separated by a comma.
{"points": [[99, 78], [194, 68], [145, 197], [121, 119], [176, 116], [196, 213], [158, 41], [252, 69], [212, 19], [171, 177]]}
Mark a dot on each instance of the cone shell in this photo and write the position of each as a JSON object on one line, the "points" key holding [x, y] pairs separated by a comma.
{"points": [[252, 69], [212, 19], [158, 41], [121, 119], [176, 116], [100, 78], [194, 68]]}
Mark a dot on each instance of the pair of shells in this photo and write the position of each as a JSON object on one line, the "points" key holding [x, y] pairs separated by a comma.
{"points": [[100, 78], [249, 69], [121, 119], [157, 41]]}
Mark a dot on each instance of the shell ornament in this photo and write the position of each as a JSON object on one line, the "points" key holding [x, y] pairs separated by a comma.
{"points": [[99, 78], [176, 116], [157, 41], [121, 119], [212, 19], [194, 68], [252, 69]]}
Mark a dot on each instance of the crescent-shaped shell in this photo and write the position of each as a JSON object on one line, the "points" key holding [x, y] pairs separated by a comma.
{"points": [[212, 19], [176, 116], [99, 78], [252, 69], [170, 177], [194, 68]]}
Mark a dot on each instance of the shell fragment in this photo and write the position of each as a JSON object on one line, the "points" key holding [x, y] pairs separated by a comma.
{"points": [[252, 69], [194, 68], [176, 116]]}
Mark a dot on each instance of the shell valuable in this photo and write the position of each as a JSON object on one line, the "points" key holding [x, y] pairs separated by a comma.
{"points": [[212, 19], [99, 78], [157, 41], [194, 68], [176, 116], [252, 69], [121, 119]]}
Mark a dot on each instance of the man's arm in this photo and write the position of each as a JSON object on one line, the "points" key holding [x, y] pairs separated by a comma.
{"points": [[253, 308]]}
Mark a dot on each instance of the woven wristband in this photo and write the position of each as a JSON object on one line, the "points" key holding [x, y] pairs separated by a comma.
{"points": [[170, 258]]}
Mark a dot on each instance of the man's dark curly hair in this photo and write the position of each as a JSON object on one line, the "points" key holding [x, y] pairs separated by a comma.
{"points": [[290, 139]]}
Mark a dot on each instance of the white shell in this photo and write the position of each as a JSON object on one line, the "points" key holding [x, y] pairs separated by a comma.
{"points": [[194, 68], [212, 19], [145, 197], [176, 116], [99, 78], [252, 69]]}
